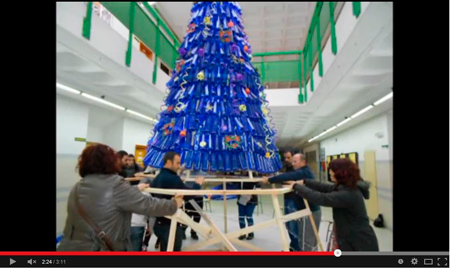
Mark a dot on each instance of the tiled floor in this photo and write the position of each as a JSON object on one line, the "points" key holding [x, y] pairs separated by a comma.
{"points": [[268, 238]]}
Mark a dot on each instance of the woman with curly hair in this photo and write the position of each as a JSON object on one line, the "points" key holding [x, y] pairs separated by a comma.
{"points": [[100, 205], [346, 197]]}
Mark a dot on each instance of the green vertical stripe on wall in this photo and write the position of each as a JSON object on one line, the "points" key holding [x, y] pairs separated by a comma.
{"points": [[356, 9], [333, 29], [87, 22], [130, 37], [155, 66]]}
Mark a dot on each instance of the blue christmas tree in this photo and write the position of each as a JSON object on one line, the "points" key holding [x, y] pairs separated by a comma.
{"points": [[216, 115]]}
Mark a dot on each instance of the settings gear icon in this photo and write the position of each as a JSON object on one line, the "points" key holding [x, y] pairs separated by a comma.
{"points": [[414, 261]]}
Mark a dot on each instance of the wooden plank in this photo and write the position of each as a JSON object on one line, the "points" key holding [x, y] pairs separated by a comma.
{"points": [[276, 207], [218, 192], [313, 224], [173, 228], [225, 217], [214, 227], [237, 233], [245, 244], [242, 179]]}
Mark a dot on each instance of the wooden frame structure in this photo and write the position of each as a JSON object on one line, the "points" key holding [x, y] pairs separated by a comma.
{"points": [[211, 232]]}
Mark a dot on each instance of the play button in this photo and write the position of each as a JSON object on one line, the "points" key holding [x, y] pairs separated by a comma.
{"points": [[11, 261]]}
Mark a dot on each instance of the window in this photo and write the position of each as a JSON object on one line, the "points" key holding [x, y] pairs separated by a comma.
{"points": [[164, 68]]}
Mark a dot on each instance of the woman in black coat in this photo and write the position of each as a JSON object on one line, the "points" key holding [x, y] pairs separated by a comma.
{"points": [[346, 197]]}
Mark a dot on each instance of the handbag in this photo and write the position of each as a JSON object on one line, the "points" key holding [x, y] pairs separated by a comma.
{"points": [[99, 232]]}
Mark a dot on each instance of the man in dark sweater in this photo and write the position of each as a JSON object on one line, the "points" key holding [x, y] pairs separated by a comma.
{"points": [[293, 203], [168, 179]]}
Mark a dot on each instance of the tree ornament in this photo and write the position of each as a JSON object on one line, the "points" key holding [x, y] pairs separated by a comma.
{"points": [[230, 24], [183, 133], [232, 142], [267, 155], [191, 28], [247, 90], [245, 48], [201, 52], [207, 20], [202, 144], [242, 108], [201, 76], [182, 51]]}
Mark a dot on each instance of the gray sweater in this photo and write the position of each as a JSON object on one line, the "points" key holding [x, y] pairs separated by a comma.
{"points": [[109, 201]]}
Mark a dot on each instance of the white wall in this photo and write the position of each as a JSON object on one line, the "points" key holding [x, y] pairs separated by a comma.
{"points": [[135, 132], [282, 97], [361, 138], [113, 135], [71, 122], [95, 134]]}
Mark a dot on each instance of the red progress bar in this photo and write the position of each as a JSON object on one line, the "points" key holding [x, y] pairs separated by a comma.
{"points": [[90, 253]]}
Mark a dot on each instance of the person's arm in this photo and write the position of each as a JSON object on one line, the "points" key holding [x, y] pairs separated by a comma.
{"points": [[319, 186], [336, 199], [130, 199], [290, 176]]}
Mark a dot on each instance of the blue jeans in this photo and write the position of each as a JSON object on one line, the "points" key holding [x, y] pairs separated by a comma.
{"points": [[292, 226], [137, 235], [246, 212]]}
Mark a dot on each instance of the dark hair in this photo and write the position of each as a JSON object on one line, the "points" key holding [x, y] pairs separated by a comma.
{"points": [[98, 159], [122, 153], [169, 156], [288, 151], [345, 171]]}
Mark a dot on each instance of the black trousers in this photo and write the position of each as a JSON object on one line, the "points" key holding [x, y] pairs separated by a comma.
{"points": [[192, 213], [162, 232]]}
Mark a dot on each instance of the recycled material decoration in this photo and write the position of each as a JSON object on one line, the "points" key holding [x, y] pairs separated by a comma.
{"points": [[232, 142]]}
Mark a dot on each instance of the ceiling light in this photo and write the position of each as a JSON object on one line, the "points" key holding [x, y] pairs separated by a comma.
{"points": [[343, 122], [141, 115], [388, 96], [362, 111], [66, 88], [330, 129], [102, 101], [151, 3]]}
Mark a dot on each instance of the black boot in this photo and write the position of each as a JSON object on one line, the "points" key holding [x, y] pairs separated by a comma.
{"points": [[242, 237], [194, 236], [250, 236]]}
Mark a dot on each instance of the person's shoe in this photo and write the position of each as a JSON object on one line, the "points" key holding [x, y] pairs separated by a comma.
{"points": [[157, 244], [184, 236], [194, 236], [144, 248], [250, 236], [242, 237]]}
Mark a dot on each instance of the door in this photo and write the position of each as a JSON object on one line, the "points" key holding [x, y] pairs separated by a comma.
{"points": [[139, 154], [370, 175]]}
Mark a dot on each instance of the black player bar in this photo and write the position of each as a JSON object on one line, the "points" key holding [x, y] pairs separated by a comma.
{"points": [[225, 261]]}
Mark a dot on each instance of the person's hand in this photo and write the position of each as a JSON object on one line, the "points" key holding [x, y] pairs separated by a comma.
{"points": [[289, 183], [200, 180], [142, 186], [265, 180], [179, 199]]}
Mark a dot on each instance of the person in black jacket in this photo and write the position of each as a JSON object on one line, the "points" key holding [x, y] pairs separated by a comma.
{"points": [[346, 197], [293, 202], [168, 179]]}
